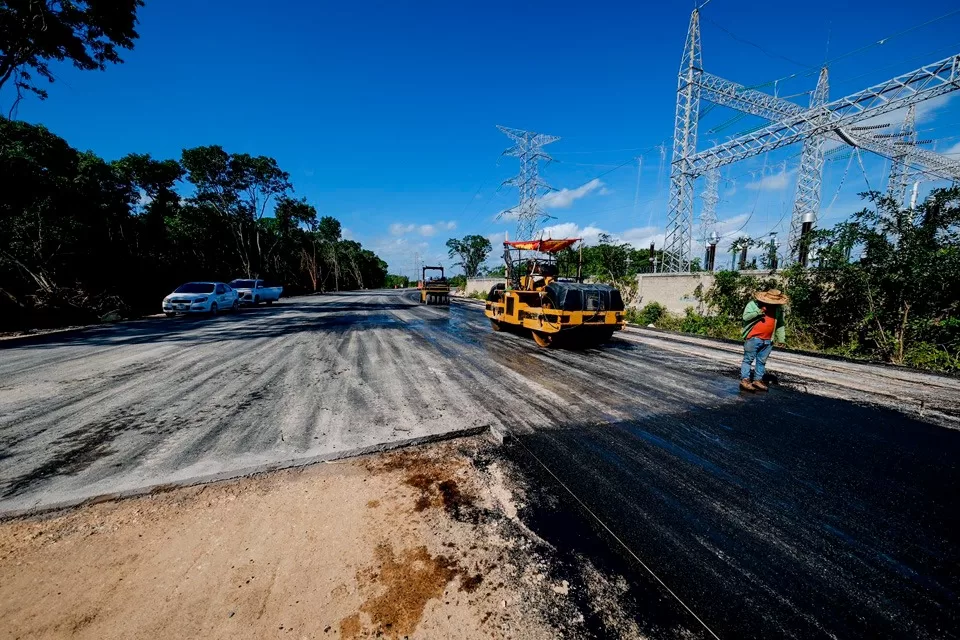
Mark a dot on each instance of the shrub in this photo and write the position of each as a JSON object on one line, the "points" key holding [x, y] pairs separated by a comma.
{"points": [[651, 313]]}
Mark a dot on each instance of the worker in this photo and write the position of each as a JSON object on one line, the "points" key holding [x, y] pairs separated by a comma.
{"points": [[762, 328]]}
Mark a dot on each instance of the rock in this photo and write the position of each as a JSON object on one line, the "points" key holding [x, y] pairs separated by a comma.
{"points": [[111, 316]]}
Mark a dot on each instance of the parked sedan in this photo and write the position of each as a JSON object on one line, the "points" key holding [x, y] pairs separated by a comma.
{"points": [[201, 297]]}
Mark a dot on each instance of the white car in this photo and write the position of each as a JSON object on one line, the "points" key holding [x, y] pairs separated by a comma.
{"points": [[201, 297], [256, 291]]}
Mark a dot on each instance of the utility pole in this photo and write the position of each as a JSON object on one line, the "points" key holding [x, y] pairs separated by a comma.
{"points": [[528, 147]]}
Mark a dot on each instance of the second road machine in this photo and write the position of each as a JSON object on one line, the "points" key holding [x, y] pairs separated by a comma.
{"points": [[435, 289]]}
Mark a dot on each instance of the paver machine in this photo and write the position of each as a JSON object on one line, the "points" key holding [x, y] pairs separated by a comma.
{"points": [[435, 289], [556, 310]]}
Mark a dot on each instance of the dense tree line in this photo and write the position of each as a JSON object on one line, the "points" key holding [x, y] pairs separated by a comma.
{"points": [[80, 237]]}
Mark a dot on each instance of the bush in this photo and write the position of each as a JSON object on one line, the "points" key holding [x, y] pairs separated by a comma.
{"points": [[651, 313]]}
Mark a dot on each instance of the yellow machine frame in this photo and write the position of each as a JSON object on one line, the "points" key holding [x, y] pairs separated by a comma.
{"points": [[529, 307], [437, 289]]}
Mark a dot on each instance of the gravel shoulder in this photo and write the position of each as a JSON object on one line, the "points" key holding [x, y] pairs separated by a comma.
{"points": [[423, 543]]}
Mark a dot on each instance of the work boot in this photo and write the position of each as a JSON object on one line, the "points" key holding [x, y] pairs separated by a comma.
{"points": [[746, 385], [759, 386]]}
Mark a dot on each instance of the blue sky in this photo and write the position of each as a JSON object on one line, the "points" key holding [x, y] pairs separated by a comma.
{"points": [[384, 113]]}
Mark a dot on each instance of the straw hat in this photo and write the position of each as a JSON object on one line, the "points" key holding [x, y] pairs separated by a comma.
{"points": [[773, 296]]}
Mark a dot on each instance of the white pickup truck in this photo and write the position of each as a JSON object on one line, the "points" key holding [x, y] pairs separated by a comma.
{"points": [[256, 291]]}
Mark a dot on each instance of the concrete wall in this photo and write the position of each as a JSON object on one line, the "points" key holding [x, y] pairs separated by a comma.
{"points": [[675, 291], [482, 285], [672, 290]]}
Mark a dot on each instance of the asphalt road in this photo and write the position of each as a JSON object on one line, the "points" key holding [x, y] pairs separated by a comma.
{"points": [[782, 515]]}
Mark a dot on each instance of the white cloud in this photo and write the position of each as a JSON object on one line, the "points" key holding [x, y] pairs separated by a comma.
{"points": [[731, 226], [346, 234], [590, 234], [398, 229], [773, 182], [641, 237], [952, 151], [638, 237], [564, 198], [425, 230]]}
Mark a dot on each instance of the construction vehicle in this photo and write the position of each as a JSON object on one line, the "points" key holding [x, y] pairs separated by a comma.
{"points": [[557, 311], [435, 289]]}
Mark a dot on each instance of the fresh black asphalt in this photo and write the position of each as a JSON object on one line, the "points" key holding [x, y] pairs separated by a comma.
{"points": [[785, 514]]}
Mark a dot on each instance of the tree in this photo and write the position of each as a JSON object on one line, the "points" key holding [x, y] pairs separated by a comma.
{"points": [[328, 235], [393, 281], [900, 297], [472, 250], [239, 188], [88, 33]]}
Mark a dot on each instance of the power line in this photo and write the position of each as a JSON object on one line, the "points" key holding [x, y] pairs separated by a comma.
{"points": [[757, 46]]}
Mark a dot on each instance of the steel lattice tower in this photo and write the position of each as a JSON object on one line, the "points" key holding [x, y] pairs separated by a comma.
{"points": [[806, 204], [528, 148], [900, 174], [710, 197], [680, 207], [789, 123]]}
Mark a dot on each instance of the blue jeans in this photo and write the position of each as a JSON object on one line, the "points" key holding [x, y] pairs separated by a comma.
{"points": [[755, 349]]}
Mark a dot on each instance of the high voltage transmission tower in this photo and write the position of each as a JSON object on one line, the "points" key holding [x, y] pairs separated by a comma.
{"points": [[528, 147], [790, 123]]}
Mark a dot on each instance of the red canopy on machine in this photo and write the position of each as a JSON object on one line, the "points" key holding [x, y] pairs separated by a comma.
{"points": [[546, 246]]}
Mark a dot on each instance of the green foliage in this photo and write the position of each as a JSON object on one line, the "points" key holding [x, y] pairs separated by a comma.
{"points": [[457, 281], [607, 261], [732, 290], [81, 238], [496, 272], [393, 281], [88, 33], [897, 301], [471, 250], [651, 313]]}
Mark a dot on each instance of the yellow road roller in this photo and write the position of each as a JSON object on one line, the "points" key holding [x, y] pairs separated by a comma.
{"points": [[435, 289], [557, 311]]}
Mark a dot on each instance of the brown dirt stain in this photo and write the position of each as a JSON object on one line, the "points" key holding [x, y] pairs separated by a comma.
{"points": [[406, 583], [436, 483], [350, 627]]}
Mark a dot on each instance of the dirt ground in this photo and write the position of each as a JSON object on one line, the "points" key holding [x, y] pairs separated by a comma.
{"points": [[422, 543]]}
